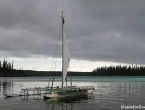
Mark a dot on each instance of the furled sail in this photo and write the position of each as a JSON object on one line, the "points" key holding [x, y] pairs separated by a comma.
{"points": [[66, 56]]}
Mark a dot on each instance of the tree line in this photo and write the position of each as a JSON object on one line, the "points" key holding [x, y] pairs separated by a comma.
{"points": [[6, 69], [119, 70]]}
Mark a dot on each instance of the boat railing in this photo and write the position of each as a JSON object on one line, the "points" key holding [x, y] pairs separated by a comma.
{"points": [[36, 90]]}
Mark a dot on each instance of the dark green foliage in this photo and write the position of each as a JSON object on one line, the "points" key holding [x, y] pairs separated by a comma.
{"points": [[120, 71], [55, 73], [6, 69]]}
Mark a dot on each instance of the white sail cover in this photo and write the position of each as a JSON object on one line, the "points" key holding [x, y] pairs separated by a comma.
{"points": [[66, 56]]}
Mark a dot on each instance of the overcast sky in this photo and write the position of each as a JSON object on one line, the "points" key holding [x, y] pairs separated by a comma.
{"points": [[99, 32]]}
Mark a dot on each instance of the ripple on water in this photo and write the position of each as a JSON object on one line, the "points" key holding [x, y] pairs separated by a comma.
{"points": [[107, 95]]}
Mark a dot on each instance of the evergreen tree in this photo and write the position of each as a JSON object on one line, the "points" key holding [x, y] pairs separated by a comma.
{"points": [[120, 71]]}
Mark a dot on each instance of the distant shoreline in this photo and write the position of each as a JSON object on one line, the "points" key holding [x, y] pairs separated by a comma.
{"points": [[55, 73], [28, 73], [100, 71], [7, 70]]}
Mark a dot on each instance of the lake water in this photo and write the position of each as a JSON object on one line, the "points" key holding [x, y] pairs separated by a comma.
{"points": [[110, 93]]}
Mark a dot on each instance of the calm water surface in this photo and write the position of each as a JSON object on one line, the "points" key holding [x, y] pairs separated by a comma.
{"points": [[110, 93]]}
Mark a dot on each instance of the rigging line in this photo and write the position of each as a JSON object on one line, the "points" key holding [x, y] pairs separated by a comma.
{"points": [[56, 49], [55, 52]]}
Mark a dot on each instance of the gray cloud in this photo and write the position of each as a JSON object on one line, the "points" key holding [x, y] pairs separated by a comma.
{"points": [[97, 30]]}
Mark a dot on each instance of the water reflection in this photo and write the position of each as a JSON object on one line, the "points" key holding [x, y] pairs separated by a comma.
{"points": [[33, 97], [6, 87], [64, 104], [106, 95]]}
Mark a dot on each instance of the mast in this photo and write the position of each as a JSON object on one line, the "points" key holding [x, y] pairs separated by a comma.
{"points": [[62, 47], [65, 53]]}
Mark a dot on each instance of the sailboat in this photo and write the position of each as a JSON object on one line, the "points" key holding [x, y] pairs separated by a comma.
{"points": [[65, 91]]}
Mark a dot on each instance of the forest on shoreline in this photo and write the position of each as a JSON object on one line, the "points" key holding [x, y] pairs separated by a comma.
{"points": [[7, 70], [119, 70]]}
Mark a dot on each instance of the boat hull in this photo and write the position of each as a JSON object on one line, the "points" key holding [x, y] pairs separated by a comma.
{"points": [[66, 94]]}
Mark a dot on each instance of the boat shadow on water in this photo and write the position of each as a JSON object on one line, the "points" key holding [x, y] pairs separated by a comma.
{"points": [[65, 103], [62, 103]]}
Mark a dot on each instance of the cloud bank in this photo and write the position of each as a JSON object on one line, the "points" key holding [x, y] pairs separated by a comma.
{"points": [[96, 30]]}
